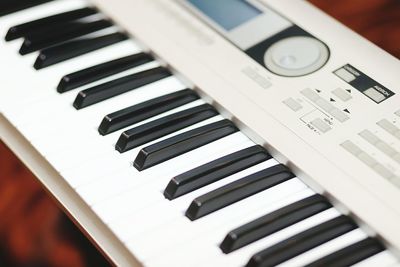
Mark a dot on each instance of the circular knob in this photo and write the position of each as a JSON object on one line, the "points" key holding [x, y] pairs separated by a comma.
{"points": [[296, 56]]}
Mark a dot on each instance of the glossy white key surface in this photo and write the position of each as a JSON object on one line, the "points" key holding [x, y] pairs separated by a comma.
{"points": [[213, 255], [129, 202]]}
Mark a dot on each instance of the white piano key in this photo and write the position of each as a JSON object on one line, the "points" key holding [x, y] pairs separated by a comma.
{"points": [[385, 258], [40, 107], [43, 83], [99, 110], [78, 173], [61, 104], [211, 255], [220, 233], [107, 187], [177, 207], [326, 249], [74, 125], [212, 236], [92, 120], [186, 231], [114, 209], [9, 50]]}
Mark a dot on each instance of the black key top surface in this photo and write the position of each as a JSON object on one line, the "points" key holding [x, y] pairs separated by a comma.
{"points": [[182, 143], [302, 242], [35, 42], [131, 115], [95, 73], [119, 86], [155, 129], [214, 171], [350, 255], [8, 7], [274, 222], [238, 190], [71, 49], [24, 29]]}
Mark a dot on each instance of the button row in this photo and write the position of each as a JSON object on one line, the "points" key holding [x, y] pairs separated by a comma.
{"points": [[325, 105], [381, 145], [390, 128], [368, 160]]}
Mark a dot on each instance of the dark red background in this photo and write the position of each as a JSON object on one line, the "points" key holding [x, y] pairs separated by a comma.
{"points": [[34, 232]]}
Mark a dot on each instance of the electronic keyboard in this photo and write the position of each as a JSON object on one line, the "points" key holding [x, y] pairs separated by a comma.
{"points": [[207, 133]]}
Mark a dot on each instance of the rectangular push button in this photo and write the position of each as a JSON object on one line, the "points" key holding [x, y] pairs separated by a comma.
{"points": [[390, 128], [345, 75], [351, 148], [342, 94], [339, 115], [374, 95], [310, 94], [292, 104], [321, 125]]}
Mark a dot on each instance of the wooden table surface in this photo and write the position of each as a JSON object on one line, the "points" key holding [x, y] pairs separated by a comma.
{"points": [[34, 232]]}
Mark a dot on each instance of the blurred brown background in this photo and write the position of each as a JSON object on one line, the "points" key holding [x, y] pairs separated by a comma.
{"points": [[34, 232]]}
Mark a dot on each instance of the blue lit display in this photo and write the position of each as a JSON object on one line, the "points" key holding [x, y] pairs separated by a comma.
{"points": [[229, 14]]}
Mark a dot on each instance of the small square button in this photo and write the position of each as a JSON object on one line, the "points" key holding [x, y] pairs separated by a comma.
{"points": [[339, 115], [292, 104], [342, 94], [374, 95]]}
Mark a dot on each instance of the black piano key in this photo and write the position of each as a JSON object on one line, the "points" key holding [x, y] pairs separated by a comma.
{"points": [[134, 114], [238, 190], [214, 171], [95, 73], [8, 7], [274, 222], [75, 48], [24, 29], [35, 42], [119, 86], [155, 129], [350, 255], [302, 242], [182, 143]]}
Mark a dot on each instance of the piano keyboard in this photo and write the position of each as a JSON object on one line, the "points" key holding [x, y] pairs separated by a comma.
{"points": [[171, 174]]}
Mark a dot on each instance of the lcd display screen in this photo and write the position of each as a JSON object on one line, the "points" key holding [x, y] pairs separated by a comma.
{"points": [[229, 14]]}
